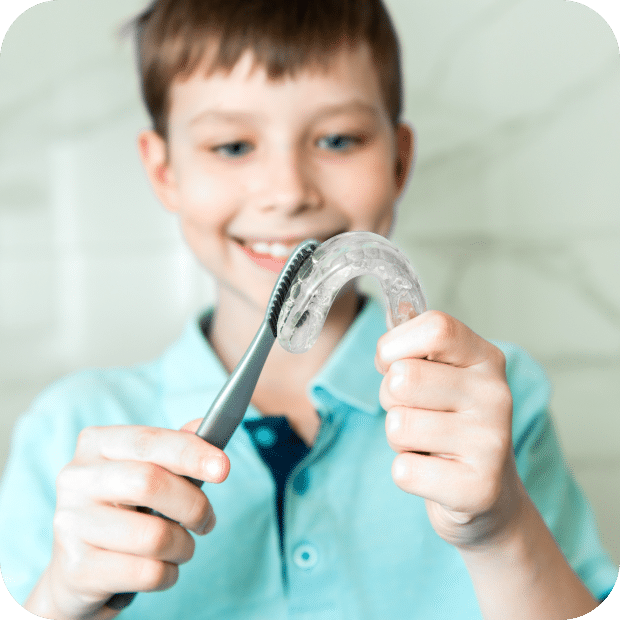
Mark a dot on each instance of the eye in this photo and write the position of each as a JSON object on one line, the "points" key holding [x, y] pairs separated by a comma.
{"points": [[233, 150], [338, 142]]}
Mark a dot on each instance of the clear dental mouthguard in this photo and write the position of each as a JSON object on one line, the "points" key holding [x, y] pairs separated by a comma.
{"points": [[329, 268]]}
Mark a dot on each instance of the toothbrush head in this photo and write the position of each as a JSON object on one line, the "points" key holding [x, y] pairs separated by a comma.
{"points": [[282, 287]]}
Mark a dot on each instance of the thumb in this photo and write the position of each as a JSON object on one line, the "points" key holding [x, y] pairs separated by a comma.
{"points": [[224, 463], [191, 427]]}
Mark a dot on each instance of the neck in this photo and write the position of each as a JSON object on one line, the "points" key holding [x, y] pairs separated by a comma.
{"points": [[236, 322], [281, 389]]}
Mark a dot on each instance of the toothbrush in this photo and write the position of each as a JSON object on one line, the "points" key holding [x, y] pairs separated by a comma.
{"points": [[228, 408]]}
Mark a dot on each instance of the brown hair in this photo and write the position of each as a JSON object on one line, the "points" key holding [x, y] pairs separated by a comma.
{"points": [[172, 37]]}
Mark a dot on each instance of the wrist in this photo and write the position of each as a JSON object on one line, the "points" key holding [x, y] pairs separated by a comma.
{"points": [[521, 573], [514, 535], [43, 601], [40, 600]]}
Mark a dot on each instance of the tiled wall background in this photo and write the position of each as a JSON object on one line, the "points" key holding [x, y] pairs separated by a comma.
{"points": [[512, 217]]}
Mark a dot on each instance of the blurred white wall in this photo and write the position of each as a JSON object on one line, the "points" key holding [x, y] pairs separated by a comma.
{"points": [[512, 216]]}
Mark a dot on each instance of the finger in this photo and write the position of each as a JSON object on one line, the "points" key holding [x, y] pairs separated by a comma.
{"points": [[438, 337], [179, 452], [104, 572], [458, 437], [126, 531], [445, 481], [132, 483], [420, 430], [192, 427], [430, 385]]}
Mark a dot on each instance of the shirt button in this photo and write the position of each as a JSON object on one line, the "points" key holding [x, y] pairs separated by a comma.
{"points": [[265, 437], [301, 482], [305, 556]]}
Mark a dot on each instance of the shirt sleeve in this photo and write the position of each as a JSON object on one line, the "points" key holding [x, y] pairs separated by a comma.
{"points": [[547, 478], [43, 441]]}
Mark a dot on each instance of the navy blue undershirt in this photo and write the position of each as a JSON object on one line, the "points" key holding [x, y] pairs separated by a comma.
{"points": [[281, 449]]}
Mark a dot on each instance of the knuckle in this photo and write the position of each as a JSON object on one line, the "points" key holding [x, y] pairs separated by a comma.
{"points": [[384, 395], [143, 442], [74, 568], [499, 359], [412, 378], [440, 322], [65, 479], [155, 575], [494, 394], [381, 341], [63, 524], [187, 551], [441, 328], [501, 396], [75, 563], [157, 537], [200, 511], [191, 460], [398, 427], [496, 445], [69, 481], [87, 439], [146, 480], [488, 493]]}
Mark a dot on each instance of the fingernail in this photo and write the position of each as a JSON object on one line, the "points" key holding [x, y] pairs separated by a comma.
{"points": [[399, 470], [393, 421], [208, 525], [214, 469], [389, 351], [398, 370]]}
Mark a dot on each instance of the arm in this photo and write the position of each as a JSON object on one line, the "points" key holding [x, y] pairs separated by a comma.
{"points": [[450, 421], [525, 575]]}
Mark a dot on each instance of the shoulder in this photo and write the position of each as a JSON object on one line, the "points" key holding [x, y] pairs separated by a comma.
{"points": [[104, 393], [91, 397], [119, 395]]}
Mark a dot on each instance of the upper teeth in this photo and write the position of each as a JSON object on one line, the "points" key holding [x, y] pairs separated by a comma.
{"points": [[277, 250]]}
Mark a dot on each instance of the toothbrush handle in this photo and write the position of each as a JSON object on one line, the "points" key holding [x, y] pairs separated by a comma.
{"points": [[229, 407], [223, 417]]}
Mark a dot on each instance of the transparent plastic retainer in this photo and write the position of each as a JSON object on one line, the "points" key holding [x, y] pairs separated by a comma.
{"points": [[331, 266]]}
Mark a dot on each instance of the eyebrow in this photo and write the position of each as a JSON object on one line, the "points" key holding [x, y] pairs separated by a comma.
{"points": [[331, 110], [351, 106], [221, 115]]}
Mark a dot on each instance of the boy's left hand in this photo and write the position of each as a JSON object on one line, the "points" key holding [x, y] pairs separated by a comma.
{"points": [[449, 417]]}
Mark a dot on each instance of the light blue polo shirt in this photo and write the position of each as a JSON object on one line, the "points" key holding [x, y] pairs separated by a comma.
{"points": [[355, 546]]}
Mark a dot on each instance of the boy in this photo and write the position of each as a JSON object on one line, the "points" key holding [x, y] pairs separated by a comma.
{"points": [[274, 122]]}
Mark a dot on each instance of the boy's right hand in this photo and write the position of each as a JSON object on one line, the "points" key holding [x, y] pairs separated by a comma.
{"points": [[102, 544]]}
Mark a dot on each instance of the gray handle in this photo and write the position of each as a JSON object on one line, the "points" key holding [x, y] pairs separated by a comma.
{"points": [[229, 407]]}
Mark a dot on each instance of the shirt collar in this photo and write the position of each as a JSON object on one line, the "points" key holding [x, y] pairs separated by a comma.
{"points": [[193, 374]]}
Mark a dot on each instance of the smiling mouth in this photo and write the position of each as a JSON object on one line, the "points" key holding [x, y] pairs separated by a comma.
{"points": [[276, 250], [272, 255]]}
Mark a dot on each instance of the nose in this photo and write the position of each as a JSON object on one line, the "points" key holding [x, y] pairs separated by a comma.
{"points": [[289, 184]]}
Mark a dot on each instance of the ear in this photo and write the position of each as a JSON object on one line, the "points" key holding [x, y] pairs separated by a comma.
{"points": [[405, 140], [153, 153]]}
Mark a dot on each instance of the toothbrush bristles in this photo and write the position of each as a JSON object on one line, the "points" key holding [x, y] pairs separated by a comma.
{"points": [[283, 285]]}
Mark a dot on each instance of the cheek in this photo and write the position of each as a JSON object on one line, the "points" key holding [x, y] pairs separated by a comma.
{"points": [[198, 190], [368, 197], [205, 199]]}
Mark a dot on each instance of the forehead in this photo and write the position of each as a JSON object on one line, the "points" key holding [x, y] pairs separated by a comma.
{"points": [[346, 75]]}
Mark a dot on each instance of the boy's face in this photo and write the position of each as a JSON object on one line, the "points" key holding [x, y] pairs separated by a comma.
{"points": [[254, 166]]}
